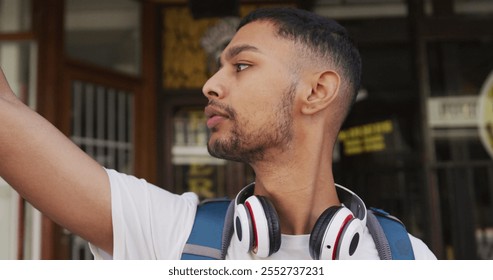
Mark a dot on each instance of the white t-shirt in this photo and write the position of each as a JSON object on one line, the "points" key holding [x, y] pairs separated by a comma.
{"points": [[152, 223]]}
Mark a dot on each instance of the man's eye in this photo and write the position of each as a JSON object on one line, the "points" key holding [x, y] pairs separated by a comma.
{"points": [[240, 67]]}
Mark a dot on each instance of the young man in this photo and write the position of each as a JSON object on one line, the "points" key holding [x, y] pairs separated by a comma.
{"points": [[286, 83]]}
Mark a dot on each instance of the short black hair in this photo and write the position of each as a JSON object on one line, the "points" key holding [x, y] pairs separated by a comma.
{"points": [[324, 36]]}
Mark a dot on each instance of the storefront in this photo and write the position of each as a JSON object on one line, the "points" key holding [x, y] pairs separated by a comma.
{"points": [[417, 143]]}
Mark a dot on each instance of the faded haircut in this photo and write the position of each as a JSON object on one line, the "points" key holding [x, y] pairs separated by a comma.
{"points": [[324, 37]]}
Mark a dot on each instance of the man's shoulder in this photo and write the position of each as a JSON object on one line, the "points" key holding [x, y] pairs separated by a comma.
{"points": [[148, 222], [121, 182], [421, 250]]}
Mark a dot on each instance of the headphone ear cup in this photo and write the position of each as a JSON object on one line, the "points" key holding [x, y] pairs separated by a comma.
{"points": [[336, 234], [319, 231], [243, 227], [350, 239], [261, 227], [274, 227]]}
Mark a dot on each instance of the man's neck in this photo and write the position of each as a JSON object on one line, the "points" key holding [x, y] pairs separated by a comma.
{"points": [[300, 186]]}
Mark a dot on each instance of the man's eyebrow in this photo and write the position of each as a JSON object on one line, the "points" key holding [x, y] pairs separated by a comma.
{"points": [[236, 50]]}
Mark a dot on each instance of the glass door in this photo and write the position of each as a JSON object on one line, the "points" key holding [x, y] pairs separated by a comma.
{"points": [[458, 74]]}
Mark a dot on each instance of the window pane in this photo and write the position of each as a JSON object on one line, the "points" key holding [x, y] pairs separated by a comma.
{"points": [[473, 7], [457, 73], [106, 33], [18, 62], [15, 15]]}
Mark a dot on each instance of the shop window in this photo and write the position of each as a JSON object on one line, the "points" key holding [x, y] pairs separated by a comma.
{"points": [[458, 72], [105, 33]]}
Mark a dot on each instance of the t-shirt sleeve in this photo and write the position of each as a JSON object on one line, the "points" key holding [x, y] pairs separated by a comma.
{"points": [[148, 222], [421, 250]]}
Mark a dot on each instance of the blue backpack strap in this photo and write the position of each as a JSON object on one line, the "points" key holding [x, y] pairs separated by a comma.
{"points": [[390, 236], [212, 231]]}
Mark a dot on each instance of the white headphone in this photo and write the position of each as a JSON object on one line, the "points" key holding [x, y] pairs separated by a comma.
{"points": [[335, 235]]}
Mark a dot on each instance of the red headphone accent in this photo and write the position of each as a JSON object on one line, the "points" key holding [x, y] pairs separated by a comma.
{"points": [[335, 235]]}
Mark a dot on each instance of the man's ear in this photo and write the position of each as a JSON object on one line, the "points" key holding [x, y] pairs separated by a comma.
{"points": [[325, 88]]}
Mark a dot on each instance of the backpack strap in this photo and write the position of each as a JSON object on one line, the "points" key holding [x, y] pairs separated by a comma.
{"points": [[212, 231], [390, 236]]}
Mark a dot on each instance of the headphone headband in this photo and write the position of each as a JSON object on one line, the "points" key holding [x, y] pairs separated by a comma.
{"points": [[245, 193], [351, 200]]}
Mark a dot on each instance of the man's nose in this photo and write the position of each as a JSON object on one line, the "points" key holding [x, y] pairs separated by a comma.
{"points": [[212, 88]]}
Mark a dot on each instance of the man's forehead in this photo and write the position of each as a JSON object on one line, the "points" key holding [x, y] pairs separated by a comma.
{"points": [[258, 36], [255, 30]]}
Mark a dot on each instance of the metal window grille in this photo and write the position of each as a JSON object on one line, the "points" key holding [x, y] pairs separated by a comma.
{"points": [[102, 124]]}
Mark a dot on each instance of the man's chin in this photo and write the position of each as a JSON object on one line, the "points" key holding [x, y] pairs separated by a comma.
{"points": [[213, 150], [217, 154], [221, 153]]}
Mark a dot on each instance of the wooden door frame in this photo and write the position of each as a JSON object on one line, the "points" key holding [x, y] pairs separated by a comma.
{"points": [[48, 19]]}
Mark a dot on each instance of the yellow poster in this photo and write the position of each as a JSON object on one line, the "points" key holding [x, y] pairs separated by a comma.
{"points": [[485, 118]]}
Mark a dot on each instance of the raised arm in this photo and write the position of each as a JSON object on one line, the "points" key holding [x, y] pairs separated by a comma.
{"points": [[52, 173]]}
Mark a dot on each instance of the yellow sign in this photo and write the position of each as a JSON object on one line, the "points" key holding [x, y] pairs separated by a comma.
{"points": [[200, 181], [365, 138], [485, 120]]}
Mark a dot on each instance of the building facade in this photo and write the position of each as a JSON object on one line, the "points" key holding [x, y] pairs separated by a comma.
{"points": [[123, 78]]}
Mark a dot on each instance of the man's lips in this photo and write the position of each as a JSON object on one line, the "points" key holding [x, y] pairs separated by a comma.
{"points": [[214, 116], [213, 121]]}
